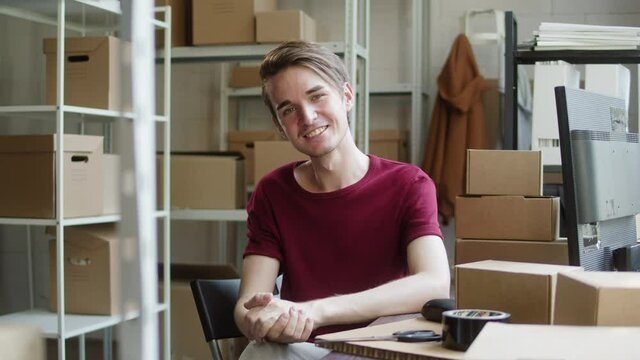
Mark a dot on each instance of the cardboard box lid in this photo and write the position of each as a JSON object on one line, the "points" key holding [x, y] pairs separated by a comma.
{"points": [[77, 44], [510, 172], [517, 267], [499, 341], [47, 143], [251, 136], [88, 236], [607, 279]]}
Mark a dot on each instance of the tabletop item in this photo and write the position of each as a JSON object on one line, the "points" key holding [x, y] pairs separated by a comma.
{"points": [[432, 310], [401, 336], [461, 327]]}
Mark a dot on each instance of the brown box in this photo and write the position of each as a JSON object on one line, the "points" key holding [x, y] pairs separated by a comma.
{"points": [[111, 185], [507, 217], [226, 21], [389, 144], [204, 181], [284, 25], [244, 142], [28, 186], [187, 338], [245, 77], [180, 23], [504, 172], [598, 298], [524, 290], [92, 76], [543, 252], [270, 155], [91, 270]]}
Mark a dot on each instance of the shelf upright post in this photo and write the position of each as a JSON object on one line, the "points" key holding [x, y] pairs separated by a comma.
{"points": [[59, 148], [166, 206], [350, 58], [364, 103], [416, 83], [510, 108]]}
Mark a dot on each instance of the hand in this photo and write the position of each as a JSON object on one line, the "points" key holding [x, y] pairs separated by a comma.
{"points": [[276, 320]]}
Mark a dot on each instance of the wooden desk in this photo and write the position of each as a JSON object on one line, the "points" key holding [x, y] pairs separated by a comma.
{"points": [[334, 355]]}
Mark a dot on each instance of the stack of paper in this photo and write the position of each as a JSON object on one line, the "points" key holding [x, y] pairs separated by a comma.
{"points": [[559, 36]]}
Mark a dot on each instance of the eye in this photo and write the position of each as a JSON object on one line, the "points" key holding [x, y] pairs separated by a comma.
{"points": [[316, 97], [288, 110]]}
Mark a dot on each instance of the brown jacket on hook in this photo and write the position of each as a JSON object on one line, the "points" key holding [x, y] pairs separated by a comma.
{"points": [[457, 124]]}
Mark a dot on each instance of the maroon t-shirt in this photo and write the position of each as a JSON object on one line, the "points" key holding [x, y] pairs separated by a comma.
{"points": [[343, 241]]}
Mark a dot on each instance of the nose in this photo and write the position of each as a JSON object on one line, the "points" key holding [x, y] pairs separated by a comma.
{"points": [[308, 113]]}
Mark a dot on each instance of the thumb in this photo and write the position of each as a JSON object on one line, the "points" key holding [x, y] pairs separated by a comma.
{"points": [[259, 299]]}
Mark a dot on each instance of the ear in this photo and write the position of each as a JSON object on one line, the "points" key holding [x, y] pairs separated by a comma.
{"points": [[348, 95]]}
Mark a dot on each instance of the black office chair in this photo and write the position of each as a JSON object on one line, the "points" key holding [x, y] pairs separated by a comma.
{"points": [[215, 300]]}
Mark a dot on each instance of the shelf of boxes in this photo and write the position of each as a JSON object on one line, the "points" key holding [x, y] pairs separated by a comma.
{"points": [[82, 16]]}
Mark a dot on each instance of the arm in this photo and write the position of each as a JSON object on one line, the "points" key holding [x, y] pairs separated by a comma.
{"points": [[429, 279]]}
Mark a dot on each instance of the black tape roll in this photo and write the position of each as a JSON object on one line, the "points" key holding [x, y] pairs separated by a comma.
{"points": [[460, 327]]}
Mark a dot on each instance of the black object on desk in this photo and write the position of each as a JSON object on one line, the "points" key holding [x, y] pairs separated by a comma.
{"points": [[432, 310]]}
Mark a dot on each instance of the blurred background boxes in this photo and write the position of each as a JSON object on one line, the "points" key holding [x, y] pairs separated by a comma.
{"points": [[226, 21], [284, 25], [598, 298], [245, 77], [524, 290], [543, 252], [91, 270], [507, 217], [92, 75], [504, 172], [204, 180], [244, 142], [30, 191], [180, 23], [389, 144], [21, 342], [270, 155]]}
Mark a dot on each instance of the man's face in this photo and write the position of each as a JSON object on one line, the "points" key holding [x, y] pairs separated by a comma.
{"points": [[311, 112]]}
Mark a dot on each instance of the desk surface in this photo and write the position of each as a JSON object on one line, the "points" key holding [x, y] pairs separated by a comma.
{"points": [[334, 355]]}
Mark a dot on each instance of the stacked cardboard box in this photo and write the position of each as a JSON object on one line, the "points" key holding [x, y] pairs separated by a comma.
{"points": [[503, 215]]}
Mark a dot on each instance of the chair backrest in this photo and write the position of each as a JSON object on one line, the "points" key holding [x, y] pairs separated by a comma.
{"points": [[215, 301]]}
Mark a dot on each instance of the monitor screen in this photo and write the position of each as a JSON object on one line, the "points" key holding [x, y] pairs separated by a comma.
{"points": [[601, 177]]}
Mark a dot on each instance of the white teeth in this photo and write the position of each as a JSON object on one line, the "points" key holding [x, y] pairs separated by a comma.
{"points": [[316, 132]]}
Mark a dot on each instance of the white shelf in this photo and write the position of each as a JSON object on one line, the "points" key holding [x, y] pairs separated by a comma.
{"points": [[241, 52], [392, 89], [75, 324], [48, 112], [70, 221], [243, 92], [209, 214]]}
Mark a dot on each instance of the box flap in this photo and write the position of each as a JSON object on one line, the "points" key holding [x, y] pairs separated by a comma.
{"points": [[76, 44], [47, 143], [103, 232], [518, 267], [607, 279]]}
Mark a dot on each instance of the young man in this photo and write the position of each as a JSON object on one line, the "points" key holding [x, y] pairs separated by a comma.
{"points": [[355, 236]]}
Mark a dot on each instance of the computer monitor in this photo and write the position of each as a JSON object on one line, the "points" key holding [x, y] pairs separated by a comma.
{"points": [[601, 179]]}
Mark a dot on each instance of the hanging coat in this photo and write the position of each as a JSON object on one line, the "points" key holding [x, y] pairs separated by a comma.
{"points": [[457, 124]]}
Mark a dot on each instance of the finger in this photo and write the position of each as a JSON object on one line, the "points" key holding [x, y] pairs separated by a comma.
{"points": [[259, 299], [291, 325], [275, 332], [308, 328], [300, 325]]}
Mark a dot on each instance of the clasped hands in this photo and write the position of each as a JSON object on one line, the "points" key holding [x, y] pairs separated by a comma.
{"points": [[277, 320]]}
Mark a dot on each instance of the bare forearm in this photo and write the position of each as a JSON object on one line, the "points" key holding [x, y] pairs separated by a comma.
{"points": [[405, 295]]}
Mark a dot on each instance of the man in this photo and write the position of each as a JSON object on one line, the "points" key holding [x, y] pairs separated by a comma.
{"points": [[355, 236]]}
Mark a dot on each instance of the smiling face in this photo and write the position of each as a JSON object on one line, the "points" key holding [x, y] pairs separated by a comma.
{"points": [[310, 111]]}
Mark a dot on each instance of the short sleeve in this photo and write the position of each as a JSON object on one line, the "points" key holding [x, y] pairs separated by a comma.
{"points": [[262, 231], [420, 209]]}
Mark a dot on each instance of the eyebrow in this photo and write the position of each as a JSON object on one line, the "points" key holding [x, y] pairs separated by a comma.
{"points": [[310, 91]]}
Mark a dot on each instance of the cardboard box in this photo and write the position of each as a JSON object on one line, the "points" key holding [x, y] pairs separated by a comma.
{"points": [[389, 144], [204, 180], [284, 25], [543, 252], [111, 185], [270, 155], [30, 189], [504, 172], [499, 341], [245, 77], [598, 298], [226, 21], [507, 217], [91, 270], [187, 337], [180, 23], [524, 290], [244, 142], [92, 76]]}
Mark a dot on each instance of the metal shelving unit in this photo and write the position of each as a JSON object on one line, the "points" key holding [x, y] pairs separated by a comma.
{"points": [[82, 16], [515, 56]]}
